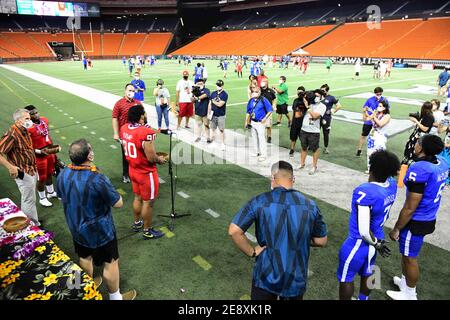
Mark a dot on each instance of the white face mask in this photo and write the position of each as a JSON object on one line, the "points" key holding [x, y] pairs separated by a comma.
{"points": [[136, 78], [280, 81], [27, 124], [91, 156], [380, 109], [218, 88], [130, 94], [255, 95], [317, 99], [263, 84]]}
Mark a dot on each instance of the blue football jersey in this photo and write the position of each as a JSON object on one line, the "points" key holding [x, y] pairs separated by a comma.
{"points": [[433, 175], [198, 72], [379, 197]]}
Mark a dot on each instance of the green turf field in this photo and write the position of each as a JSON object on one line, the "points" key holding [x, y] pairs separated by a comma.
{"points": [[158, 269]]}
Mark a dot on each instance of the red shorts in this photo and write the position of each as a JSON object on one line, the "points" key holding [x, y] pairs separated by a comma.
{"points": [[45, 166], [186, 109], [145, 185]]}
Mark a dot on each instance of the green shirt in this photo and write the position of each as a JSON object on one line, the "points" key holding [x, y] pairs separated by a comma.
{"points": [[283, 97], [328, 63]]}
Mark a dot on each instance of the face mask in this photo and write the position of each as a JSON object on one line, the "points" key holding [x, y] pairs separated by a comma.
{"points": [[317, 99], [130, 94], [27, 124], [185, 77], [254, 95], [218, 88], [91, 156], [263, 84], [280, 81], [136, 78], [380, 109]]}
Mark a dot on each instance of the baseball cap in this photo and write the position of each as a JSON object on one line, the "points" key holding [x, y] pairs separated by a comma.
{"points": [[185, 73], [219, 83]]}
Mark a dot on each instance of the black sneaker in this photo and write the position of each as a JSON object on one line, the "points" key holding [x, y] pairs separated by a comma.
{"points": [[137, 226], [291, 153], [358, 153], [269, 139], [151, 233], [208, 141]]}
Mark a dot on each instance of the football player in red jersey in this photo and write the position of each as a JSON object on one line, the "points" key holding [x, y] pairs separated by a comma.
{"points": [[138, 145], [45, 155]]}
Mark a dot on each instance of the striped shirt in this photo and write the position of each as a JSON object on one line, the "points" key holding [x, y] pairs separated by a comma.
{"points": [[120, 110], [16, 144]]}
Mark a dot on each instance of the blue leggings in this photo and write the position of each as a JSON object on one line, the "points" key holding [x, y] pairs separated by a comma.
{"points": [[163, 110]]}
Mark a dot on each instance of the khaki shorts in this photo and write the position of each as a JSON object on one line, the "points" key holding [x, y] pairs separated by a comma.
{"points": [[200, 120]]}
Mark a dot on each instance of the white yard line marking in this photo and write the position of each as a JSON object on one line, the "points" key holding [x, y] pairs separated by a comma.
{"points": [[102, 139], [183, 195], [84, 127], [113, 146], [92, 132], [212, 213], [324, 188], [251, 237]]}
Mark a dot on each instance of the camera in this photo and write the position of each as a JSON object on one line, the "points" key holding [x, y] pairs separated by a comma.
{"points": [[446, 121], [196, 91], [415, 115]]}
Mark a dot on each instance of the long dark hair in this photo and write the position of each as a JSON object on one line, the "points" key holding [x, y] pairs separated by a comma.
{"points": [[427, 108]]}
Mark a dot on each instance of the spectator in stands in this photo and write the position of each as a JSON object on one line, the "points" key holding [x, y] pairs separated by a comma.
{"points": [[119, 118], [282, 100], [201, 101], [162, 103], [443, 80], [184, 99], [287, 225], [270, 95], [369, 107], [298, 112], [218, 105], [310, 134], [88, 196], [17, 155], [139, 87]]}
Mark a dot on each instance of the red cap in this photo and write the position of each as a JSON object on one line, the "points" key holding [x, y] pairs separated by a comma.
{"points": [[185, 73]]}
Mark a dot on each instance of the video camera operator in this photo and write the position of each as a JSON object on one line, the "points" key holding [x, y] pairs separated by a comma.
{"points": [[423, 122], [201, 100]]}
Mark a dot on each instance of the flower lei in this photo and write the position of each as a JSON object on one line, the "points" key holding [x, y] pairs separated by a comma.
{"points": [[28, 248], [42, 128], [6, 208]]}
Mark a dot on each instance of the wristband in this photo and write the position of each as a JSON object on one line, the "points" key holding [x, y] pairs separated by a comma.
{"points": [[37, 151]]}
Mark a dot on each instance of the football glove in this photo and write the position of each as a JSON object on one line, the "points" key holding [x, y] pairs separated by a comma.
{"points": [[382, 248]]}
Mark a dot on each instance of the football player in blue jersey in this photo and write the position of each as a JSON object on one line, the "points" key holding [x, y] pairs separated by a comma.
{"points": [[424, 180], [371, 203]]}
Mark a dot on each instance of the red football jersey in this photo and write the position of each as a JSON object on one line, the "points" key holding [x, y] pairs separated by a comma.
{"points": [[133, 138], [40, 134]]}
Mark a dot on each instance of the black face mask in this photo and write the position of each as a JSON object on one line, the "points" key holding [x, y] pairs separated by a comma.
{"points": [[185, 77]]}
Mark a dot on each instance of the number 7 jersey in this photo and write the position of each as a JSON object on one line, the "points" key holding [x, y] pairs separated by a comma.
{"points": [[133, 137]]}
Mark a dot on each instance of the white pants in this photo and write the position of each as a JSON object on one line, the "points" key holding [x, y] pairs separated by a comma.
{"points": [[27, 188], [259, 138]]}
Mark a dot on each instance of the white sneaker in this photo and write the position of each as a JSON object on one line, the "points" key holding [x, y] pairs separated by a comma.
{"points": [[52, 195], [45, 203], [255, 154], [398, 282], [400, 295], [223, 147], [366, 172], [261, 159], [312, 171]]}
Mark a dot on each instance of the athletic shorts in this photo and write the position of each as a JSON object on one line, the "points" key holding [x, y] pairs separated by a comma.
{"points": [[366, 130], [100, 255], [45, 166], [186, 109], [282, 108], [355, 257], [145, 185], [309, 140], [218, 122], [296, 128], [410, 244]]}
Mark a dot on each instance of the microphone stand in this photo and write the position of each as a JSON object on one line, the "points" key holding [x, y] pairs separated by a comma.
{"points": [[173, 215]]}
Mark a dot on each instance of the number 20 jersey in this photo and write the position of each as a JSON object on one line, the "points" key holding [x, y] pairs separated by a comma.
{"points": [[133, 138]]}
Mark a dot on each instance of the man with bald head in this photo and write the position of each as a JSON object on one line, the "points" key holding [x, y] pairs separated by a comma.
{"points": [[287, 225]]}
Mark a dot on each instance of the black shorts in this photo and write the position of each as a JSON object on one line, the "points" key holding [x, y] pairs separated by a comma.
{"points": [[105, 253], [261, 294], [282, 108], [366, 130], [357, 74], [309, 141], [296, 127]]}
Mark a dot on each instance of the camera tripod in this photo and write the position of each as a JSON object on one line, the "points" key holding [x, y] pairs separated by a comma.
{"points": [[173, 215]]}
